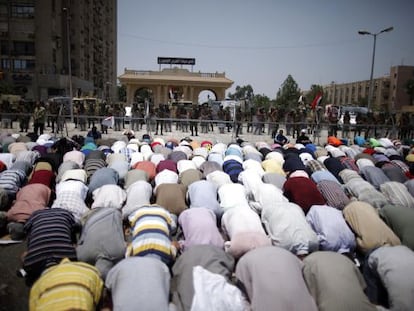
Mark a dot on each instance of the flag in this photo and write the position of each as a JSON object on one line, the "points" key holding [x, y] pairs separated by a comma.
{"points": [[316, 101], [171, 93], [300, 99], [109, 122]]}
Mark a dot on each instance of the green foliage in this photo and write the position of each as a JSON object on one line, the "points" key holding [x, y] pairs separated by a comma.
{"points": [[288, 95], [242, 92], [121, 93], [314, 90], [8, 88], [261, 101]]}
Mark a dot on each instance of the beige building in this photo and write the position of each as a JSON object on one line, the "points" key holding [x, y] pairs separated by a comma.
{"points": [[174, 84], [40, 40], [389, 91]]}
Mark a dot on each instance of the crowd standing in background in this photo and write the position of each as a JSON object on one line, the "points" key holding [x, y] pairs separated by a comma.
{"points": [[203, 118]]}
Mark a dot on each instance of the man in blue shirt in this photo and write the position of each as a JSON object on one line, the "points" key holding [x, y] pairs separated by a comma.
{"points": [[280, 138]]}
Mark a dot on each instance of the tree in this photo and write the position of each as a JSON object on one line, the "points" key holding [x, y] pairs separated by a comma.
{"points": [[409, 88], [314, 90], [122, 93], [288, 95], [242, 92], [8, 88], [261, 101]]}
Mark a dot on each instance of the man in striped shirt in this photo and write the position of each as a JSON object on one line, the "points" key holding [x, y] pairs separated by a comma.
{"points": [[50, 238], [67, 286], [152, 226]]}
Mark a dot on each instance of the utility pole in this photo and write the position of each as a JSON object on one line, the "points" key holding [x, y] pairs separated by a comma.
{"points": [[371, 80]]}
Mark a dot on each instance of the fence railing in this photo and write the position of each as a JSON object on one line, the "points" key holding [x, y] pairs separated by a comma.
{"points": [[269, 128]]}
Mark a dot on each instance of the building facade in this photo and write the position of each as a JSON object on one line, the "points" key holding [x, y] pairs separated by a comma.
{"points": [[389, 91], [162, 83], [59, 47], [399, 75]]}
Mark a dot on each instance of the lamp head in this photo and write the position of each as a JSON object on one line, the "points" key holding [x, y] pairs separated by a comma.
{"points": [[387, 29], [364, 32]]}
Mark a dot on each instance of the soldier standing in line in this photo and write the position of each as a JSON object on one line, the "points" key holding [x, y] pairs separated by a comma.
{"points": [[273, 126], [24, 117], [82, 116], [194, 116], [239, 122], [91, 114], [159, 115], [39, 118], [346, 124], [103, 112], [118, 117]]}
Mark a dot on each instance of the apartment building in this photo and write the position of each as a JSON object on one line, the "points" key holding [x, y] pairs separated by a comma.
{"points": [[389, 91], [59, 47]]}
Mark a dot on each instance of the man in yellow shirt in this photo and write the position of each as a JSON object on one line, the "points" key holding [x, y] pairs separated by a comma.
{"points": [[67, 286]]}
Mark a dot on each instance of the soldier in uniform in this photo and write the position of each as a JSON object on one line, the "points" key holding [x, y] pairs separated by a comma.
{"points": [[24, 117]]}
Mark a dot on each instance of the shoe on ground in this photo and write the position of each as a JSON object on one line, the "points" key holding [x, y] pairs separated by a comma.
{"points": [[16, 231]]}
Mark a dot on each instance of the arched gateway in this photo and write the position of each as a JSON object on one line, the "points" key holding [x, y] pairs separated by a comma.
{"points": [[174, 84]]}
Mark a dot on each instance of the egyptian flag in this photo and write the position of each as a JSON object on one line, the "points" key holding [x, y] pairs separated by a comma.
{"points": [[316, 101]]}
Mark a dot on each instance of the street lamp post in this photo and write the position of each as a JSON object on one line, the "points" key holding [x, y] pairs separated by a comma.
{"points": [[66, 10], [371, 80]]}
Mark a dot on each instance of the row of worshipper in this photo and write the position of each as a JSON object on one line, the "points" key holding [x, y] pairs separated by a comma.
{"points": [[240, 222]]}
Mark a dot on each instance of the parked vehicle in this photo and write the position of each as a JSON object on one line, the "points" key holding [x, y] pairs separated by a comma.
{"points": [[353, 111]]}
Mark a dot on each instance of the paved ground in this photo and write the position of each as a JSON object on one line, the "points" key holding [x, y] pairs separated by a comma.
{"points": [[14, 294]]}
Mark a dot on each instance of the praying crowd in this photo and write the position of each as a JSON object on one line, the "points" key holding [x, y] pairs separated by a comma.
{"points": [[179, 224]]}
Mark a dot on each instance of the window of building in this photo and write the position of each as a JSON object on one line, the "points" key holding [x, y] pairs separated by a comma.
{"points": [[3, 10], [22, 10], [4, 28], [23, 64], [24, 48], [5, 63], [4, 47]]}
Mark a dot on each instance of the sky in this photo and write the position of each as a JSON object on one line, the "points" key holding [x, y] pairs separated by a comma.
{"points": [[261, 42]]}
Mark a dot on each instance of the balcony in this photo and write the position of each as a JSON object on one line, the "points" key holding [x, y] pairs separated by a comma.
{"points": [[22, 78]]}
